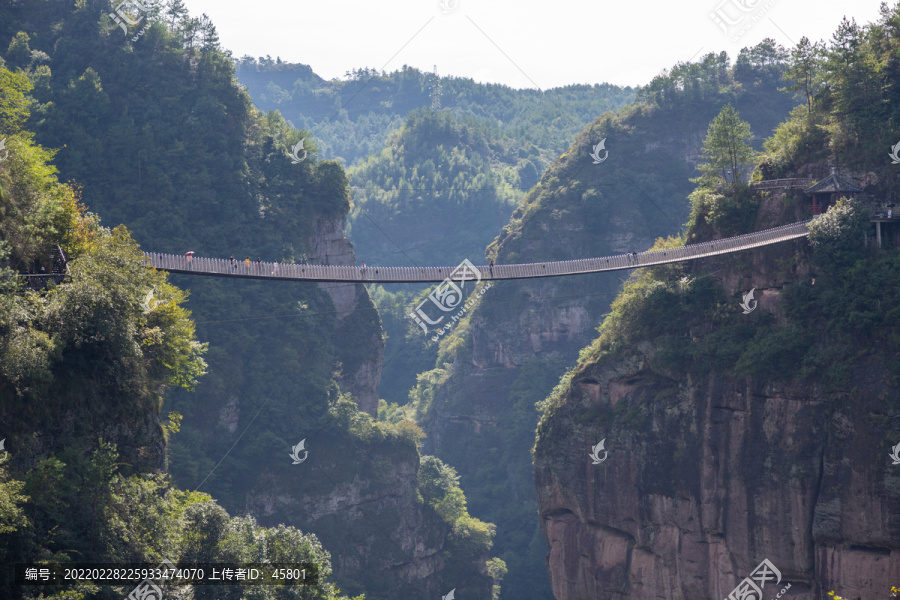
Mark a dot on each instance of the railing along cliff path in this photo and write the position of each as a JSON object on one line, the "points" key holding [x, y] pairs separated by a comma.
{"points": [[221, 267]]}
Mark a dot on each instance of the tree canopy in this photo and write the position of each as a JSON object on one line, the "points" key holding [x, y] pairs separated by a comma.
{"points": [[726, 150]]}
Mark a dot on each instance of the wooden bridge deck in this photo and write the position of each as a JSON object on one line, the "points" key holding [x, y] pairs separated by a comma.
{"points": [[219, 267]]}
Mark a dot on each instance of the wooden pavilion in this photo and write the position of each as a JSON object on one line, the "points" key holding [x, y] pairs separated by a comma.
{"points": [[826, 192]]}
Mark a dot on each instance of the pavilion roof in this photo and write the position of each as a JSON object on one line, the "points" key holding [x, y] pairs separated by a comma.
{"points": [[834, 183]]}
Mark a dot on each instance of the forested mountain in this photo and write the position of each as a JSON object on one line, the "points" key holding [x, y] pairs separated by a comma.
{"points": [[735, 435], [479, 400], [428, 186], [85, 364], [146, 417], [351, 118], [154, 132], [438, 191]]}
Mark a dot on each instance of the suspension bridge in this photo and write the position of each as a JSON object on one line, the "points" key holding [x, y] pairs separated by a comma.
{"points": [[223, 267]]}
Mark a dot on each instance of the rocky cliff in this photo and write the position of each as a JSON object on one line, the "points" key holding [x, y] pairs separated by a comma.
{"points": [[712, 468], [358, 488], [362, 370], [525, 334], [361, 497]]}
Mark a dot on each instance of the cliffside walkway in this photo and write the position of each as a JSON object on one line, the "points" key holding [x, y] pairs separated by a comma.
{"points": [[785, 184], [219, 267]]}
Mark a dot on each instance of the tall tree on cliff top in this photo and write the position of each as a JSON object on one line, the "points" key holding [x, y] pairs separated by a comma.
{"points": [[803, 70], [727, 147]]}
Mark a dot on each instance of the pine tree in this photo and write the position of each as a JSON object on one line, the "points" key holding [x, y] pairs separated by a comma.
{"points": [[176, 12], [803, 68], [208, 33], [726, 147]]}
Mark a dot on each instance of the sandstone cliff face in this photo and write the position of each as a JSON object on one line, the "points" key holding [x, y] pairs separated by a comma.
{"points": [[718, 475], [329, 246], [360, 496], [707, 477], [362, 501], [525, 334]]}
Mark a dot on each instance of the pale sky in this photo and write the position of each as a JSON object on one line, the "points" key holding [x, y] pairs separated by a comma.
{"points": [[520, 43]]}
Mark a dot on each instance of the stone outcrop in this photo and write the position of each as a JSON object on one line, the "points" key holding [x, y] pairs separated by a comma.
{"points": [[362, 502], [360, 497], [525, 334], [710, 477], [706, 477], [329, 246]]}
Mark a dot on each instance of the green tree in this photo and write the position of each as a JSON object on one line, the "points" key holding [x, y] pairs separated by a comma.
{"points": [[726, 149], [496, 568], [803, 70], [175, 12], [439, 486], [12, 515], [837, 236], [18, 55], [205, 529], [14, 102]]}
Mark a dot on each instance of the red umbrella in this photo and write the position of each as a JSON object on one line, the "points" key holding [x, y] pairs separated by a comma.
{"points": [[189, 253]]}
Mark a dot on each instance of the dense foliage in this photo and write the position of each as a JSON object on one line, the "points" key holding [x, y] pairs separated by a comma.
{"points": [[578, 209], [723, 205], [437, 190], [849, 117], [437, 194], [157, 134], [85, 360], [825, 323], [351, 118]]}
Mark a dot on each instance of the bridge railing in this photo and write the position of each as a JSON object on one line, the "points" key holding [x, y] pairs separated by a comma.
{"points": [[781, 183], [350, 273]]}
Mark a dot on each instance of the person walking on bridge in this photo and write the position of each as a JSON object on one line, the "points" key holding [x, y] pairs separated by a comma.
{"points": [[491, 267], [247, 262]]}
